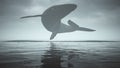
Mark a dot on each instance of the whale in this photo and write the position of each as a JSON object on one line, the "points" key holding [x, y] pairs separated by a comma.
{"points": [[51, 19]]}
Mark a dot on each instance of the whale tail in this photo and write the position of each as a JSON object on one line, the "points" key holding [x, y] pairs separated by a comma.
{"points": [[30, 16], [76, 27]]}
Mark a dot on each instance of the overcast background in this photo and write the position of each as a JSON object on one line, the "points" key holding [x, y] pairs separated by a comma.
{"points": [[101, 15]]}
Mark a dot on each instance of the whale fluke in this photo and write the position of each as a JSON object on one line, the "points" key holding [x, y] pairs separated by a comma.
{"points": [[86, 29], [75, 26]]}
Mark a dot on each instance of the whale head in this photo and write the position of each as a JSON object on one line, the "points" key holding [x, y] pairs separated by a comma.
{"points": [[57, 12], [68, 7]]}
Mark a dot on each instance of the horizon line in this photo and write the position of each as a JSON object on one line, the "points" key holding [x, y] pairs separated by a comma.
{"points": [[61, 41]]}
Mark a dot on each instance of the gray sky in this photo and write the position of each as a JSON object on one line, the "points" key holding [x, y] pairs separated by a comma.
{"points": [[101, 15]]}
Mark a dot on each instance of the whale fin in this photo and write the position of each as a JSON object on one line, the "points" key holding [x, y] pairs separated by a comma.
{"points": [[53, 35], [75, 26]]}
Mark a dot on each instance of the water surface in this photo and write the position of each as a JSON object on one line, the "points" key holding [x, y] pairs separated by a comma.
{"points": [[59, 54]]}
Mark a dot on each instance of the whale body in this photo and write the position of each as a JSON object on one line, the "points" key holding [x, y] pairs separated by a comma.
{"points": [[51, 19]]}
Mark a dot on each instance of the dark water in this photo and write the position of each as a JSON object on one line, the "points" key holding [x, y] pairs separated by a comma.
{"points": [[59, 54]]}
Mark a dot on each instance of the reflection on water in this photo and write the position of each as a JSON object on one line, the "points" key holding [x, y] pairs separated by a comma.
{"points": [[59, 54], [52, 58]]}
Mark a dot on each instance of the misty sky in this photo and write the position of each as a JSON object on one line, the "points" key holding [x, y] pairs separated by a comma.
{"points": [[101, 15]]}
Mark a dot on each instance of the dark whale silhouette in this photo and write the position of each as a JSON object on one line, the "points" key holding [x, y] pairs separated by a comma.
{"points": [[51, 19]]}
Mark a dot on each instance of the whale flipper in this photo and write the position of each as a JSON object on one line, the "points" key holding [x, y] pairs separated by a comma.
{"points": [[30, 16], [53, 35]]}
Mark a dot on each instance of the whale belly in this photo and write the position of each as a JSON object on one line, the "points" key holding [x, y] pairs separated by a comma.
{"points": [[51, 25], [65, 28]]}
